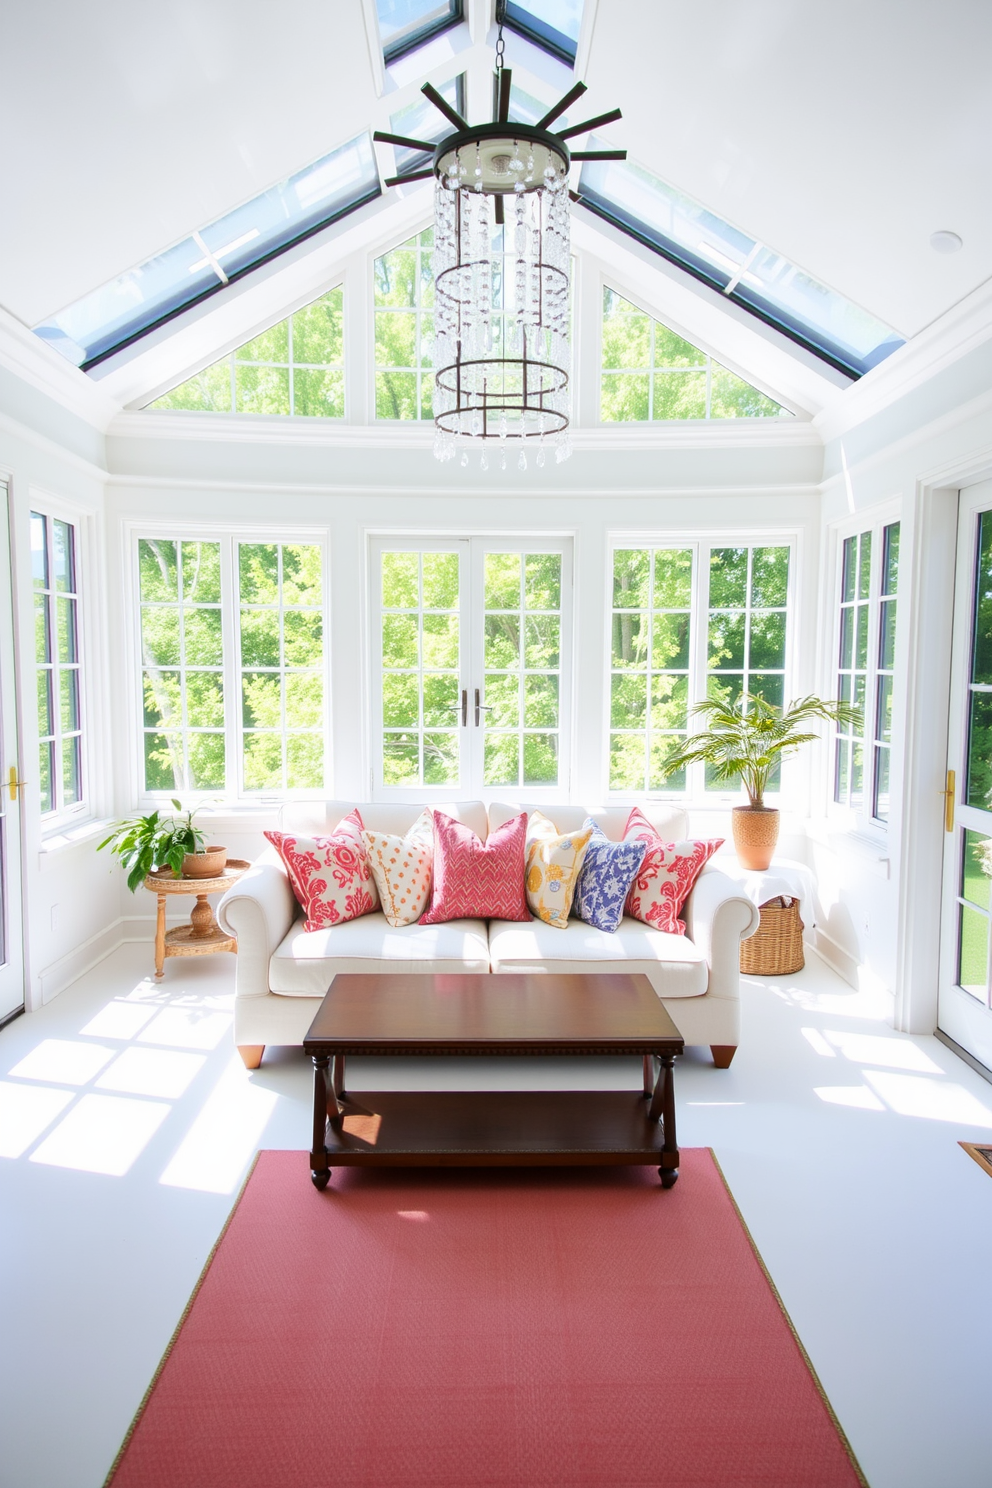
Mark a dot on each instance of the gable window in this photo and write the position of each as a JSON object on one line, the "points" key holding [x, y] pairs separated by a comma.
{"points": [[295, 367], [869, 581], [650, 373], [404, 330], [405, 25], [54, 566], [687, 622], [232, 666]]}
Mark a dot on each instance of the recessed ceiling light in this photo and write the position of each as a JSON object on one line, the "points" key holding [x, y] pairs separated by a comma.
{"points": [[945, 242]]}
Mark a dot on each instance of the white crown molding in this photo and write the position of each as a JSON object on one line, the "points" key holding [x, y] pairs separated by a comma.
{"points": [[966, 325], [978, 460], [28, 357], [234, 428], [51, 447], [487, 487]]}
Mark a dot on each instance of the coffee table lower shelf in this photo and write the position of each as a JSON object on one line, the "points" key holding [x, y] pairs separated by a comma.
{"points": [[540, 1128]]}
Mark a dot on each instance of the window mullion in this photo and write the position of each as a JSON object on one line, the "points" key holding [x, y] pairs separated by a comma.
{"points": [[231, 668]]}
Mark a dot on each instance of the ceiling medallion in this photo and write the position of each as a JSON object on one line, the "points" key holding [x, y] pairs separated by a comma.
{"points": [[501, 273]]}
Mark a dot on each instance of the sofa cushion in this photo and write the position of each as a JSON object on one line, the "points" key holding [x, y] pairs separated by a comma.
{"points": [[553, 863], [606, 875], [330, 876], [475, 879], [673, 965], [671, 821], [395, 817], [664, 880], [401, 867], [307, 961]]}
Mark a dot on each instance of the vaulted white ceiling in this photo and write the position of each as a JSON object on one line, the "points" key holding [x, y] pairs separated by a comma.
{"points": [[841, 136]]}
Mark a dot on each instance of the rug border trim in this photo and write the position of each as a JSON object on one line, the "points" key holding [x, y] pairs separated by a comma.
{"points": [[792, 1327], [178, 1328]]}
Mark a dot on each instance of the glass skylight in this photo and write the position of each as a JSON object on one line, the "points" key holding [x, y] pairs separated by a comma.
{"points": [[743, 269], [404, 24], [121, 311], [552, 24], [421, 121]]}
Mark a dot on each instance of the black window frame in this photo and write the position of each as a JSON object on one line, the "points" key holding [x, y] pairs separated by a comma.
{"points": [[556, 43], [406, 44]]}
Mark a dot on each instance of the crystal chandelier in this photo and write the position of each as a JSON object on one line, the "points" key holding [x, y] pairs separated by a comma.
{"points": [[501, 274]]}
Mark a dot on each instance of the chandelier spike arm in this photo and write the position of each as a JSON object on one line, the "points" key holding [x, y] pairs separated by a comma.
{"points": [[588, 124], [599, 154], [444, 107], [421, 175], [562, 105], [381, 138], [505, 76]]}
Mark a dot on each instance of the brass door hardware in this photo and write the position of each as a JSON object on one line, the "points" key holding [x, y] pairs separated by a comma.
{"points": [[948, 795], [13, 784]]}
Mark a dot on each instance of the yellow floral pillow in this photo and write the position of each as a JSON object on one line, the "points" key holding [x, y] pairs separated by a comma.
{"points": [[553, 863]]}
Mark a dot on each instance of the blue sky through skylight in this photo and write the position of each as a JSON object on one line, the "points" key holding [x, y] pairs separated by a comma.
{"points": [[131, 304], [745, 270], [404, 24], [421, 120], [553, 24]]}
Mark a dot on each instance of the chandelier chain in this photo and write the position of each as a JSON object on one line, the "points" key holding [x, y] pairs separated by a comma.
{"points": [[500, 43]]}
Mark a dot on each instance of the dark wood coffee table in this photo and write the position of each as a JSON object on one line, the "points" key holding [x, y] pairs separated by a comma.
{"points": [[492, 1015]]}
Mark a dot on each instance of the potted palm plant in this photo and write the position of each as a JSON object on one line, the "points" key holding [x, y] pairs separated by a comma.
{"points": [[147, 844], [744, 740]]}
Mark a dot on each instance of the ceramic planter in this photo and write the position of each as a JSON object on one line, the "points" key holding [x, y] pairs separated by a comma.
{"points": [[208, 864], [755, 835]]}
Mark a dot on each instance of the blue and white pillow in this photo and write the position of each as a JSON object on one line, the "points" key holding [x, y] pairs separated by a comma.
{"points": [[608, 870]]}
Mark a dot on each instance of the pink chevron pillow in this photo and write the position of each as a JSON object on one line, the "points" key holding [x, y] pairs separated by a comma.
{"points": [[667, 873], [475, 879], [330, 876]]}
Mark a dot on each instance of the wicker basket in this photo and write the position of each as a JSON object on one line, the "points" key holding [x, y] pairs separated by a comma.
{"points": [[776, 947]]}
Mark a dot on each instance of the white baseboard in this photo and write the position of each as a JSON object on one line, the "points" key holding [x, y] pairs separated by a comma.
{"points": [[854, 972], [142, 927], [60, 974]]}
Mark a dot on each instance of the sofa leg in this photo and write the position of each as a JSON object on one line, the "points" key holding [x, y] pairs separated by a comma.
{"points": [[723, 1054], [252, 1054]]}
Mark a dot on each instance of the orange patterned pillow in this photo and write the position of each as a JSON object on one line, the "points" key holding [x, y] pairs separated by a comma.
{"points": [[401, 867]]}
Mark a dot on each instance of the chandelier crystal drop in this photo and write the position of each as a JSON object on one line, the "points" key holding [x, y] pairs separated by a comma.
{"points": [[501, 274]]}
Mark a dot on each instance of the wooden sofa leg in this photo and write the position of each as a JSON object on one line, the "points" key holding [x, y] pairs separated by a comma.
{"points": [[723, 1054], [252, 1054]]}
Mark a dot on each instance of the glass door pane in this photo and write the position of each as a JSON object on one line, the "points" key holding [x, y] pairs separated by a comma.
{"points": [[521, 696]]}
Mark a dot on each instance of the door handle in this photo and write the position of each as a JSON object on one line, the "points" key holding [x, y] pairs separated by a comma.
{"points": [[13, 784], [480, 707], [463, 705], [948, 795]]}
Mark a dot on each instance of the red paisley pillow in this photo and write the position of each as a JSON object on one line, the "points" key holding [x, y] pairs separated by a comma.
{"points": [[666, 876], [330, 876], [475, 879]]}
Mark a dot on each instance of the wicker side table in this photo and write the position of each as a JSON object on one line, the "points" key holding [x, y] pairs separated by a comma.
{"points": [[781, 892], [202, 936]]}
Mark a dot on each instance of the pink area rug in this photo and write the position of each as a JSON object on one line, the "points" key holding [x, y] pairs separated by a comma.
{"points": [[511, 1328]]}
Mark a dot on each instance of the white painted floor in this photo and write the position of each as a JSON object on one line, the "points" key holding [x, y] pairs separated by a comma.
{"points": [[127, 1122]]}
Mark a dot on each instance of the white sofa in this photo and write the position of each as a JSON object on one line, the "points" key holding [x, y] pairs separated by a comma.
{"points": [[283, 971]]}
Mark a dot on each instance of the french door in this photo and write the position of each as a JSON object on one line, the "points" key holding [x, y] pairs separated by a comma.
{"points": [[965, 993], [470, 668], [11, 935]]}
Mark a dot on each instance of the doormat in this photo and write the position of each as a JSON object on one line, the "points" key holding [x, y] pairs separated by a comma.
{"points": [[485, 1328], [982, 1155]]}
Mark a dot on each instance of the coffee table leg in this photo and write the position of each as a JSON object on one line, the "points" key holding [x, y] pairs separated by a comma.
{"points": [[648, 1077], [338, 1080], [319, 1170], [663, 1106]]}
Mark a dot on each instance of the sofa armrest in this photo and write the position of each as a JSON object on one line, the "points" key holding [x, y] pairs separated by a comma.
{"points": [[717, 918], [259, 910]]}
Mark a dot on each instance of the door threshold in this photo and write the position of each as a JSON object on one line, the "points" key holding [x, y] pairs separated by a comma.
{"points": [[969, 1059], [11, 1016]]}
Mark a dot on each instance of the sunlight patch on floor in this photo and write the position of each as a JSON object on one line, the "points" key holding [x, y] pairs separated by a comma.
{"points": [[102, 1134], [213, 1154], [934, 1100], [25, 1112], [161, 1072], [858, 1096]]}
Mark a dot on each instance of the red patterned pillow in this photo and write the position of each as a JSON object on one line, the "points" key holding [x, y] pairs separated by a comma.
{"points": [[475, 879], [330, 876], [666, 876]]}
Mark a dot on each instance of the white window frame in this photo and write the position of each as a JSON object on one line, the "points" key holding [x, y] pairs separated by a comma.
{"points": [[228, 536], [695, 793], [55, 508], [875, 520]]}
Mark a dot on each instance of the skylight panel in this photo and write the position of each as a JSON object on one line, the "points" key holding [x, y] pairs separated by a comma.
{"points": [[746, 271], [119, 312], [405, 24], [552, 24], [421, 121]]}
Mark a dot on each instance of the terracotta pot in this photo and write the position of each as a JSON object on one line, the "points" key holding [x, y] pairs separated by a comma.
{"points": [[755, 835], [208, 864]]}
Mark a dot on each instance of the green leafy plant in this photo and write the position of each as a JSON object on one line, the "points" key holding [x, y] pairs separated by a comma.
{"points": [[145, 843], [746, 737]]}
